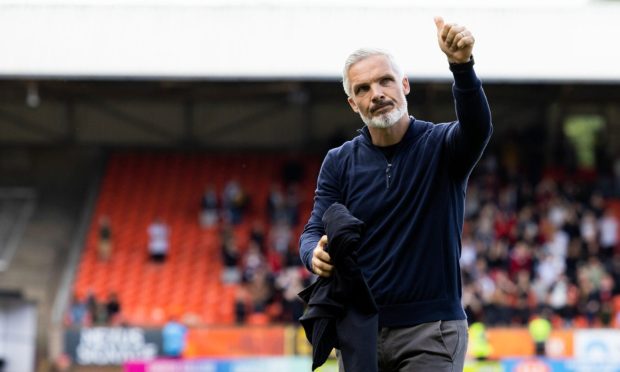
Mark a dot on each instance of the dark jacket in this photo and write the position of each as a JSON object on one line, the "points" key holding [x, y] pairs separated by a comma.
{"points": [[341, 311], [412, 207]]}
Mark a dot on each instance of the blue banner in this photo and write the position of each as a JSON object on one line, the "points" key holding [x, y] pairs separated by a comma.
{"points": [[271, 364], [556, 365]]}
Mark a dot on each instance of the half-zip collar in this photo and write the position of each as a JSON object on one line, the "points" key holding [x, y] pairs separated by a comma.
{"points": [[409, 135]]}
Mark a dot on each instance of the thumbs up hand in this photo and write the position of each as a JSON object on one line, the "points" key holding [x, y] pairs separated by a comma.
{"points": [[455, 41]]}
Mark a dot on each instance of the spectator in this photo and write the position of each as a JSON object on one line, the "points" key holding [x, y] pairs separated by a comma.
{"points": [[608, 227], [105, 238], [209, 207], [557, 245], [571, 223], [290, 283], [113, 309], [261, 290], [549, 270], [594, 270], [174, 336], [485, 232], [597, 204], [484, 283], [253, 261], [589, 301], [615, 273], [276, 204], [557, 212], [523, 299], [505, 291], [101, 314], [158, 240], [472, 302], [257, 235], [293, 199], [616, 176], [234, 200], [291, 257], [558, 296], [571, 310], [497, 257], [78, 311], [520, 259], [281, 237], [468, 254], [589, 232], [606, 298], [274, 259], [527, 225], [230, 258], [92, 307], [241, 303], [573, 257]]}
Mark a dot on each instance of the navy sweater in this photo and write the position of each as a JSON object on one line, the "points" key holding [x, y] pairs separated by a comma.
{"points": [[412, 207]]}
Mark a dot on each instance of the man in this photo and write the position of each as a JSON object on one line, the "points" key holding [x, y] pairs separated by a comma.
{"points": [[158, 240], [406, 179]]}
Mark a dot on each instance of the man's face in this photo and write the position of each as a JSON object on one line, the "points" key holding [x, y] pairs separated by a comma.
{"points": [[377, 93]]}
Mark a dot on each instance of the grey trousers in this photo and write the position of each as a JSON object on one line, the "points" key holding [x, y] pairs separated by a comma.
{"points": [[436, 346]]}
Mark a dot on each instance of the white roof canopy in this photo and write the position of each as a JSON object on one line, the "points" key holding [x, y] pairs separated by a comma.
{"points": [[549, 40]]}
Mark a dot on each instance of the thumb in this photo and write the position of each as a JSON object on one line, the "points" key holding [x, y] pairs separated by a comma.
{"points": [[439, 22], [323, 240]]}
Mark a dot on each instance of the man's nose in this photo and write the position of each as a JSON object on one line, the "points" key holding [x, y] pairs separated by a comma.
{"points": [[377, 92]]}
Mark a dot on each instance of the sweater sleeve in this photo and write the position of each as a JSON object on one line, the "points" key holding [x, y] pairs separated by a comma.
{"points": [[468, 136], [327, 192]]}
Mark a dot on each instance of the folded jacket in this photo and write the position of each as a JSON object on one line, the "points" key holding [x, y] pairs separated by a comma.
{"points": [[341, 310]]}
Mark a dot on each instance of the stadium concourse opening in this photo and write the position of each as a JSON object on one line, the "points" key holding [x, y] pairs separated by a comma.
{"points": [[181, 202]]}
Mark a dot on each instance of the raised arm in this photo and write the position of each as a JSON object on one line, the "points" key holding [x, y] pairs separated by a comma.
{"points": [[469, 135]]}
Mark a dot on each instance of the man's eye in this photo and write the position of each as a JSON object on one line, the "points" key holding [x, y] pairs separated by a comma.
{"points": [[362, 89], [386, 81]]}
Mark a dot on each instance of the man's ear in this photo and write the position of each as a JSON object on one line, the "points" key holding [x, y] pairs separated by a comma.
{"points": [[406, 87], [353, 105]]}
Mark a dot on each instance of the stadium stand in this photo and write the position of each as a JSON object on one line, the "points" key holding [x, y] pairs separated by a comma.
{"points": [[140, 187], [521, 239]]}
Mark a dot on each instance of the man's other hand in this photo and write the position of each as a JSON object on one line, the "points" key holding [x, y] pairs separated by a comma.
{"points": [[321, 262]]}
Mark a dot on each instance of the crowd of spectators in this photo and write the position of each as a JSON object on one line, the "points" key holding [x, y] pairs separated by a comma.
{"points": [[549, 247], [92, 312], [267, 271]]}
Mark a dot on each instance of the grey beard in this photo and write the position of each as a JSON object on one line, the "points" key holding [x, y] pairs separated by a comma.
{"points": [[386, 120]]}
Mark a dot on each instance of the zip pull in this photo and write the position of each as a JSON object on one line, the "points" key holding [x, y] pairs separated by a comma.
{"points": [[388, 175]]}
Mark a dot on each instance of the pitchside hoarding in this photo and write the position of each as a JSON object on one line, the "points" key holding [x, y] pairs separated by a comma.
{"points": [[581, 350], [112, 346]]}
